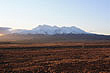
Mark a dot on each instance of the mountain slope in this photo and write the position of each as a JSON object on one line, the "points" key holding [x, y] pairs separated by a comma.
{"points": [[40, 38]]}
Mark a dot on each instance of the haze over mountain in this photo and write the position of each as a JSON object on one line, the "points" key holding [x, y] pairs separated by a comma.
{"points": [[4, 30], [50, 30]]}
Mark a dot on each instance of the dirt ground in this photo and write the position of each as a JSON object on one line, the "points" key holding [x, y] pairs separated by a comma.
{"points": [[57, 60]]}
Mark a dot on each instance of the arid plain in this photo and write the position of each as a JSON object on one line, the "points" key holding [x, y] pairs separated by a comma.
{"points": [[55, 58]]}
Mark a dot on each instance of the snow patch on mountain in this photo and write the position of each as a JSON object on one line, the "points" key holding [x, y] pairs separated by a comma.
{"points": [[51, 30]]}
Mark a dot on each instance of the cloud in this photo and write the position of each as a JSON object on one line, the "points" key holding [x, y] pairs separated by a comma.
{"points": [[4, 30]]}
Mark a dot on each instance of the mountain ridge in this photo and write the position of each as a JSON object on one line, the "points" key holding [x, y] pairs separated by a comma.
{"points": [[51, 30]]}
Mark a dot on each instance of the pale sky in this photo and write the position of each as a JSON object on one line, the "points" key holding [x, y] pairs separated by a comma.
{"points": [[89, 15]]}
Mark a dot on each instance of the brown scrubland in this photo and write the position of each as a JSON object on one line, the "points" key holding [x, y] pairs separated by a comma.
{"points": [[55, 58]]}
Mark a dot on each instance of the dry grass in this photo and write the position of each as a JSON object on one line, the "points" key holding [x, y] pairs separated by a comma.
{"points": [[63, 44], [59, 60]]}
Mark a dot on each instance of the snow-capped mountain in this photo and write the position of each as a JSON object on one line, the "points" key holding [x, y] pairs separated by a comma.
{"points": [[46, 29]]}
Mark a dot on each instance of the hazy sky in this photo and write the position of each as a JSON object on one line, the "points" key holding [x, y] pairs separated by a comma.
{"points": [[90, 15]]}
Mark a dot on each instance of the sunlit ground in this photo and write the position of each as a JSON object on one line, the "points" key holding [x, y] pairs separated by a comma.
{"points": [[1, 35]]}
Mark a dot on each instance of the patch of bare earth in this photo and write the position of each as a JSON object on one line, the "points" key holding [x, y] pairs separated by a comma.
{"points": [[74, 60]]}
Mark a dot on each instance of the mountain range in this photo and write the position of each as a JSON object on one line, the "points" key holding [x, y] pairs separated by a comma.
{"points": [[51, 30], [50, 34]]}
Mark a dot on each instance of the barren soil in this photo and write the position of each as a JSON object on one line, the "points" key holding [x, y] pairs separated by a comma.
{"points": [[57, 60]]}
